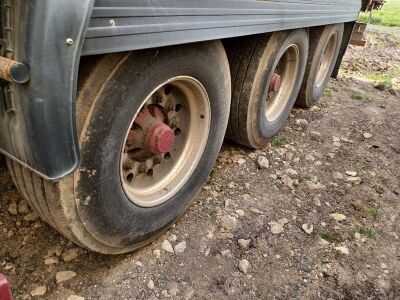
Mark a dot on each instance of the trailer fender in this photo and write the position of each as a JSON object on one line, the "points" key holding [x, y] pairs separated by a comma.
{"points": [[37, 118]]}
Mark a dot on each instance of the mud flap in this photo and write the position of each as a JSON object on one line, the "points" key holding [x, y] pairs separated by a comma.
{"points": [[37, 118]]}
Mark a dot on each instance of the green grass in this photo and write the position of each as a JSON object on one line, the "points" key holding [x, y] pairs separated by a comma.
{"points": [[356, 160], [368, 232], [373, 213], [360, 97], [331, 236], [357, 96], [279, 142], [366, 210], [388, 16], [304, 178], [328, 91], [364, 18], [386, 78]]}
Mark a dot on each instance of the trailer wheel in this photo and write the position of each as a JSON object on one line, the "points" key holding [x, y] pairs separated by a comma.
{"points": [[152, 123], [267, 71], [325, 45]]}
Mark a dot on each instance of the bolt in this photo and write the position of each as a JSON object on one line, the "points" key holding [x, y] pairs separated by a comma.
{"points": [[69, 41]]}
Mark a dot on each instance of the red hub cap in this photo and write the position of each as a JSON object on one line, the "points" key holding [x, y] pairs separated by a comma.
{"points": [[160, 139], [276, 83], [149, 135], [5, 292]]}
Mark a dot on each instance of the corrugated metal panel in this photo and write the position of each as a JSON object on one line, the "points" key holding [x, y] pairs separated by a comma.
{"points": [[119, 25]]}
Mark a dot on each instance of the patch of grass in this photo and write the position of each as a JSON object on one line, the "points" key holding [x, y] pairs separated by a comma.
{"points": [[368, 232], [387, 78], [328, 91], [371, 200], [304, 178], [357, 96], [388, 16], [375, 19], [360, 97], [356, 160], [331, 236], [373, 213], [279, 142], [366, 210]]}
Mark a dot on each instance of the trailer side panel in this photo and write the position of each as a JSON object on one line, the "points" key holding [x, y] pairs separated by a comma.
{"points": [[130, 25]]}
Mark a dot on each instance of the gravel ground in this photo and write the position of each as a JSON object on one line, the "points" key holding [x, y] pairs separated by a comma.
{"points": [[313, 215]]}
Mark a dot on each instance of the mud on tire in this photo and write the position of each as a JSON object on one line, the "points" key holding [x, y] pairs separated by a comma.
{"points": [[267, 71], [325, 43], [91, 206]]}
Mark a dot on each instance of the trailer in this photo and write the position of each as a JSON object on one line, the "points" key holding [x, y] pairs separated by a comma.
{"points": [[113, 112]]}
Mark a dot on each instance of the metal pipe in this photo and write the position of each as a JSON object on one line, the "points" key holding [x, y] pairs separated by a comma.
{"points": [[13, 71]]}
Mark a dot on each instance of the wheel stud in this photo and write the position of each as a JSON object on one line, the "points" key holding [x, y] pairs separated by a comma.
{"points": [[178, 107], [177, 131], [130, 177]]}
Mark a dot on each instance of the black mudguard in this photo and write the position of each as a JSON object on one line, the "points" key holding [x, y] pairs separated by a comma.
{"points": [[37, 119]]}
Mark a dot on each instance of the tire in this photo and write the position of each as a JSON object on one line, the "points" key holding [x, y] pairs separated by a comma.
{"points": [[2, 161], [253, 120], [92, 207], [325, 43]]}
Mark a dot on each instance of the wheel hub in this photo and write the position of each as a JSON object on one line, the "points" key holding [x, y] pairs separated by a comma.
{"points": [[160, 139], [326, 61], [165, 141], [149, 135], [276, 83], [282, 82]]}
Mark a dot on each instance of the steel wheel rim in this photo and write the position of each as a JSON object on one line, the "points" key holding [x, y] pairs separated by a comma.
{"points": [[287, 68], [326, 60], [150, 179]]}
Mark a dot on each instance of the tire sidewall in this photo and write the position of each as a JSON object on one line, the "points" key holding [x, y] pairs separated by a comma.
{"points": [[103, 206], [277, 45], [314, 92]]}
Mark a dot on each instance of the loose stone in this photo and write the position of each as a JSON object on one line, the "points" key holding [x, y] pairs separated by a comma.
{"points": [[338, 217], [229, 223], [244, 244], [307, 228], [64, 276], [244, 266], [276, 228], [263, 162], [39, 291], [166, 246], [342, 249], [180, 247]]}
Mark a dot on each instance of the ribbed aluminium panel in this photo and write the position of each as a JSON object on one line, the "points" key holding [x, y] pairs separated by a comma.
{"points": [[119, 25]]}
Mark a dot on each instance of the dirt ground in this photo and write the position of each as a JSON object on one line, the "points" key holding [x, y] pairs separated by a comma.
{"points": [[322, 221]]}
